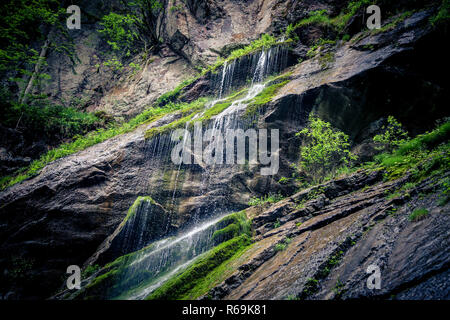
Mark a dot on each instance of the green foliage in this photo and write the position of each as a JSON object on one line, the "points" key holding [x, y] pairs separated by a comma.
{"points": [[178, 7], [424, 155], [283, 180], [324, 149], [221, 106], [114, 64], [346, 37], [94, 137], [443, 14], [118, 30], [311, 286], [281, 246], [321, 18], [135, 67], [172, 95], [270, 198], [19, 23], [277, 224], [190, 108], [42, 118], [338, 289], [90, 270], [393, 135], [264, 42], [418, 214], [317, 47]]}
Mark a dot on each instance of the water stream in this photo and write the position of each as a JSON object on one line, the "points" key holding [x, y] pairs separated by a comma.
{"points": [[145, 270]]}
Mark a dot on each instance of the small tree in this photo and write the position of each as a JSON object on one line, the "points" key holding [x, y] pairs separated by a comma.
{"points": [[324, 149], [119, 31], [393, 135]]}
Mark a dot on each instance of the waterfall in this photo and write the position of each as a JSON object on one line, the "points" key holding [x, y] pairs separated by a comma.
{"points": [[137, 274], [152, 263], [254, 67]]}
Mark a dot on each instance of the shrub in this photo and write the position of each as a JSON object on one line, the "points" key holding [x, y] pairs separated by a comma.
{"points": [[393, 135], [324, 148], [119, 31]]}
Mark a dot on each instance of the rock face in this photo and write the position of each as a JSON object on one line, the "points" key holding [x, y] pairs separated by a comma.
{"points": [[195, 34], [71, 213], [334, 238]]}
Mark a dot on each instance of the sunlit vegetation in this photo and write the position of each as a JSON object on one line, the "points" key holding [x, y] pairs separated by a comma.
{"points": [[270, 198], [418, 214], [324, 149], [321, 17], [88, 140]]}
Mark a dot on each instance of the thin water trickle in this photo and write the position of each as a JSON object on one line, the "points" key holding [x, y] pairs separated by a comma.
{"points": [[151, 266]]}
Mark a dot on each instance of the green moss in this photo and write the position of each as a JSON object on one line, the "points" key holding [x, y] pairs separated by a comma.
{"points": [[133, 209], [182, 285], [418, 214], [90, 270], [326, 59], [234, 238], [264, 42], [232, 226], [171, 96], [265, 96], [394, 23], [318, 46], [190, 109]]}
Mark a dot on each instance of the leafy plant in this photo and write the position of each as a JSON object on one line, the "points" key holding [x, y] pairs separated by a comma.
{"points": [[271, 198], [283, 180], [393, 136], [324, 148], [282, 245], [119, 31]]}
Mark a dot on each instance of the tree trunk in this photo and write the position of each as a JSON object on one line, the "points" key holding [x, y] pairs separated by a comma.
{"points": [[37, 66]]}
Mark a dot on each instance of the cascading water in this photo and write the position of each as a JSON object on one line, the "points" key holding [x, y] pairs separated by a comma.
{"points": [[136, 275], [149, 267]]}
